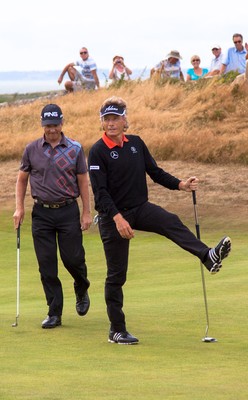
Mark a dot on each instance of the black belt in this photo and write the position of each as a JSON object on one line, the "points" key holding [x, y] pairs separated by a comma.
{"points": [[48, 204]]}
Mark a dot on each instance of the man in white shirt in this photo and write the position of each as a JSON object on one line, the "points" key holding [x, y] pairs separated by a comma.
{"points": [[82, 74], [216, 61]]}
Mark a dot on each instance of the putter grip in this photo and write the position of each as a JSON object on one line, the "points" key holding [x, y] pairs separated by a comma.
{"points": [[197, 227], [194, 196], [18, 231]]}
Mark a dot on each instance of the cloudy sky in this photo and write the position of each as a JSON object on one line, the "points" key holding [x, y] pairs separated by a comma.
{"points": [[46, 35]]}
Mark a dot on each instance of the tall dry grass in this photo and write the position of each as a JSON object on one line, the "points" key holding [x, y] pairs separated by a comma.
{"points": [[206, 122]]}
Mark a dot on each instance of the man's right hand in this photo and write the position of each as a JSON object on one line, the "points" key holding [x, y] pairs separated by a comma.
{"points": [[123, 227], [18, 217]]}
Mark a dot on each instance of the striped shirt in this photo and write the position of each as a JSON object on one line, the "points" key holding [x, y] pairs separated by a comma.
{"points": [[86, 67]]}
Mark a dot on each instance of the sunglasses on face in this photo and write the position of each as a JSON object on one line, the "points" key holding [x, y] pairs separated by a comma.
{"points": [[237, 41], [83, 52], [196, 59]]}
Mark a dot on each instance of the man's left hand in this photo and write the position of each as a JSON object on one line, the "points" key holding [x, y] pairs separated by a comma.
{"points": [[86, 221], [189, 185]]}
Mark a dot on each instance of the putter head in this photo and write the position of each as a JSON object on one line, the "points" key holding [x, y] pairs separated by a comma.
{"points": [[208, 339], [15, 323]]}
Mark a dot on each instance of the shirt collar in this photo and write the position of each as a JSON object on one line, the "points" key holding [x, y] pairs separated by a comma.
{"points": [[62, 142], [243, 51], [110, 142]]}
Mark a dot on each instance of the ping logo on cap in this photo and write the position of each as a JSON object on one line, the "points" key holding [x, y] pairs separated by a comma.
{"points": [[51, 114]]}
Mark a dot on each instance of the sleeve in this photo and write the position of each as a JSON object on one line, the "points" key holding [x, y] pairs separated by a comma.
{"points": [[98, 178], [225, 58], [81, 167], [93, 67], [157, 174], [158, 66], [25, 165], [92, 64]]}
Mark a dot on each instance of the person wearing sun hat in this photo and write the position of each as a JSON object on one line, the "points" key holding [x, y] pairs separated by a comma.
{"points": [[170, 67], [119, 70]]}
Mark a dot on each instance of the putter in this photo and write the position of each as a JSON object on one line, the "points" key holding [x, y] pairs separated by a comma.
{"points": [[206, 339], [18, 231]]}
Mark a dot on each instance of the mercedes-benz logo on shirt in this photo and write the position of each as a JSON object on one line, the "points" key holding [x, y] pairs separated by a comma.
{"points": [[114, 155]]}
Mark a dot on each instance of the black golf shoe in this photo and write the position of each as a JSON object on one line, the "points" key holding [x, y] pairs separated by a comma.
{"points": [[217, 254], [122, 338], [51, 322], [82, 304]]}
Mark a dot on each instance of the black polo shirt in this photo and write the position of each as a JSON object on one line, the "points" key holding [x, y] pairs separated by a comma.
{"points": [[118, 174]]}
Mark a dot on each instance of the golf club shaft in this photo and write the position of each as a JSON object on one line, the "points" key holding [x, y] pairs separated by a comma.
{"points": [[197, 226], [18, 231]]}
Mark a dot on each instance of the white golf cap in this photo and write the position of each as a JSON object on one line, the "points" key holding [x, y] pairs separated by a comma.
{"points": [[216, 46]]}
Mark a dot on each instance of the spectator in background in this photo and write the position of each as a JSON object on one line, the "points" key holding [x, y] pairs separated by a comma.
{"points": [[216, 61], [119, 70], [85, 78], [195, 73], [235, 58], [170, 67]]}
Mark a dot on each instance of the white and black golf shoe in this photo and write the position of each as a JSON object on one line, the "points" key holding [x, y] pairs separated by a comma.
{"points": [[217, 254], [122, 338]]}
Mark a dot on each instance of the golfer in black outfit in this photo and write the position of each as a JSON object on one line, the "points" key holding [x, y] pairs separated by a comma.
{"points": [[58, 175], [118, 164]]}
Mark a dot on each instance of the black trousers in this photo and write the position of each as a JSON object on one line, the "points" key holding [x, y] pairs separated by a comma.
{"points": [[52, 227], [150, 218]]}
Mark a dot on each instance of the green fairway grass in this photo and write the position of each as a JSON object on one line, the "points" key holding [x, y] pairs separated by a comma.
{"points": [[164, 308]]}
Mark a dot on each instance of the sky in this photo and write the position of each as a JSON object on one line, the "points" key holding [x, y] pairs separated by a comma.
{"points": [[46, 35]]}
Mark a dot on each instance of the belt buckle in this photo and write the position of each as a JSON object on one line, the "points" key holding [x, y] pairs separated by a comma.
{"points": [[54, 205]]}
